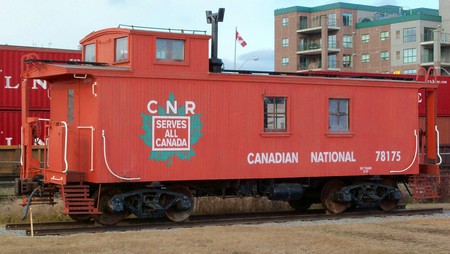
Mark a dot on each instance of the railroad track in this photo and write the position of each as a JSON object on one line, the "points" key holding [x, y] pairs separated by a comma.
{"points": [[67, 228]]}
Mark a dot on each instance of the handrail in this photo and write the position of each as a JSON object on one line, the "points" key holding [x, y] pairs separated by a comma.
{"points": [[92, 144], [21, 146], [438, 141], [107, 165], [415, 156], [65, 147], [93, 89]]}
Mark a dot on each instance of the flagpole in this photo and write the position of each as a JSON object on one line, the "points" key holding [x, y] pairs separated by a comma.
{"points": [[235, 33]]}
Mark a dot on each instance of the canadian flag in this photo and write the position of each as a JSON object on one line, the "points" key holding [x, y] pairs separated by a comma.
{"points": [[240, 40]]}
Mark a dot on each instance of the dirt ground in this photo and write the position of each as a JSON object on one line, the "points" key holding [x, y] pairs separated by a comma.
{"points": [[401, 235]]}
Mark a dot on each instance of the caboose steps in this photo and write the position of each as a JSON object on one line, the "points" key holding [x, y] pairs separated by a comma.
{"points": [[77, 200], [424, 186]]}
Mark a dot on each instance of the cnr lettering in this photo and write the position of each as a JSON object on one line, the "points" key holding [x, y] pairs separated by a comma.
{"points": [[171, 108]]}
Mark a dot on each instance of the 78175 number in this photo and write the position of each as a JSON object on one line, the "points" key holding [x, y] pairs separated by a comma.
{"points": [[386, 156]]}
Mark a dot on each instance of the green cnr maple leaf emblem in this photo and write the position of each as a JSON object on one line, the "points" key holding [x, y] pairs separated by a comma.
{"points": [[167, 156]]}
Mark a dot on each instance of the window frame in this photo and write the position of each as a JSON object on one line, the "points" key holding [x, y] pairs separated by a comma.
{"points": [[409, 36], [285, 21], [347, 19], [170, 60], [274, 115], [94, 51], [347, 43], [339, 115], [285, 42], [284, 61], [345, 63], [116, 49], [365, 58], [410, 71], [409, 58], [365, 38], [383, 56], [384, 35]]}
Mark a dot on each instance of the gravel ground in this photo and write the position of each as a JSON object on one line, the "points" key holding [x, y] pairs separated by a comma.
{"points": [[399, 234]]}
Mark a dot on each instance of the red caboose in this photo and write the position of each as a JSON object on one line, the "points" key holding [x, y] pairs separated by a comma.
{"points": [[143, 125]]}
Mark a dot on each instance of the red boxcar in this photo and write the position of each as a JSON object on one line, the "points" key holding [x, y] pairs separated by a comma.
{"points": [[11, 63], [153, 116], [11, 121]]}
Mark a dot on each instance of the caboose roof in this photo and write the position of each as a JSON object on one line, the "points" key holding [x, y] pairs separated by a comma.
{"points": [[53, 71]]}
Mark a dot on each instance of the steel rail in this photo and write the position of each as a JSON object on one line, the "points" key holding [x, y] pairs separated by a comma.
{"points": [[67, 228]]}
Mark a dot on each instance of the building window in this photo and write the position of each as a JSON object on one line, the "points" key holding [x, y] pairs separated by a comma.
{"points": [[285, 42], [384, 55], [409, 55], [410, 71], [169, 50], [347, 41], [285, 61], [121, 49], [347, 61], [365, 38], [338, 115], [332, 44], [285, 21], [303, 22], [275, 114], [409, 34], [332, 19], [365, 58], [89, 53], [348, 19], [332, 61], [384, 36], [428, 33]]}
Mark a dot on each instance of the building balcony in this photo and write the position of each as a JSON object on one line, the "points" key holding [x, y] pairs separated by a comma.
{"points": [[316, 48], [428, 60], [315, 26], [317, 65], [427, 40]]}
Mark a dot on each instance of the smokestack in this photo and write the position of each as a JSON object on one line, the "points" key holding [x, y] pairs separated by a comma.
{"points": [[215, 63]]}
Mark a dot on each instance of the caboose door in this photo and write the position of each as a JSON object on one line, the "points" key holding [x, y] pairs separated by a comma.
{"points": [[64, 132]]}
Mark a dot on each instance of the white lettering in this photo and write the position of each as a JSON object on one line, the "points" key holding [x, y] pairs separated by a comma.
{"points": [[41, 83], [8, 83], [171, 108], [8, 141], [190, 106], [272, 158], [332, 157], [149, 107], [250, 158]]}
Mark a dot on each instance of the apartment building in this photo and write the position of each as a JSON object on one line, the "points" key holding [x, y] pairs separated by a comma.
{"points": [[361, 38]]}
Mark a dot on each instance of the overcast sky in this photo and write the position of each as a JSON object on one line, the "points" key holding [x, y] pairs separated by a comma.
{"points": [[62, 24]]}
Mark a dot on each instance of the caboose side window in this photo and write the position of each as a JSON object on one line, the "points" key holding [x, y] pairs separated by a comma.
{"points": [[121, 49], [169, 50], [89, 53], [338, 115], [275, 114]]}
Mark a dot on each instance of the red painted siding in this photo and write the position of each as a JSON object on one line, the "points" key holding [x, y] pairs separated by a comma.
{"points": [[10, 70], [10, 123]]}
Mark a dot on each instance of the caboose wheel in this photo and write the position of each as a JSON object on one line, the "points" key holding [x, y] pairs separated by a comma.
{"points": [[174, 213], [108, 217], [388, 204], [328, 197]]}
